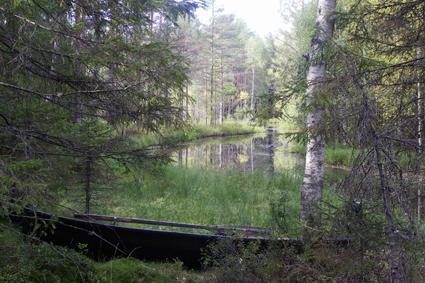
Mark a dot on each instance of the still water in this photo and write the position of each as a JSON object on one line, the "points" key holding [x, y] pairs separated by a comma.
{"points": [[265, 153]]}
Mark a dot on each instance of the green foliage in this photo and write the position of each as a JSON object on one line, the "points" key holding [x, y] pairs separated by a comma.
{"points": [[230, 262], [337, 155], [171, 136], [74, 73], [227, 60], [340, 155], [133, 271], [25, 262], [287, 65], [320, 261]]}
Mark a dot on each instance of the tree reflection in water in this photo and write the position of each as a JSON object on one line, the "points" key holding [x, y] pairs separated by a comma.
{"points": [[244, 154]]}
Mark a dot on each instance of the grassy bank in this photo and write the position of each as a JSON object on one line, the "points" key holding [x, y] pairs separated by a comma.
{"points": [[344, 156], [284, 125], [195, 132], [336, 155]]}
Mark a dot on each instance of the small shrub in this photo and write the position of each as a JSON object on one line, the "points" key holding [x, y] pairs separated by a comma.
{"points": [[236, 262]]}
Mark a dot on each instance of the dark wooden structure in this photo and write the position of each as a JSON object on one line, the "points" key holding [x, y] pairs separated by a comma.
{"points": [[104, 241]]}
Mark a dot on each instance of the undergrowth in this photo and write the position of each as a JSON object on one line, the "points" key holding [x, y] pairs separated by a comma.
{"points": [[30, 261]]}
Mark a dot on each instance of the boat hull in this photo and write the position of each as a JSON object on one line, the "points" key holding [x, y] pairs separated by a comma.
{"points": [[105, 241]]}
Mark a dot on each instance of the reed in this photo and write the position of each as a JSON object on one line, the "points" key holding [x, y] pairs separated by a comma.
{"points": [[199, 196]]}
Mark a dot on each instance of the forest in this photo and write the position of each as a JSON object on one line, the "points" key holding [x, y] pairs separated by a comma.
{"points": [[170, 141]]}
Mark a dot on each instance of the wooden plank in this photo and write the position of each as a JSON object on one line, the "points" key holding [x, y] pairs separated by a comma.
{"points": [[218, 228]]}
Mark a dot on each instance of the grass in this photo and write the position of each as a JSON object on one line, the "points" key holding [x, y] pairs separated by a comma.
{"points": [[207, 197], [339, 155], [343, 156], [210, 197], [336, 155], [284, 125], [195, 132]]}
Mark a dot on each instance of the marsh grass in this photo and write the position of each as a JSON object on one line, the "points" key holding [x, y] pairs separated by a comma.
{"points": [[200, 196], [194, 132], [336, 155], [210, 197], [344, 156]]}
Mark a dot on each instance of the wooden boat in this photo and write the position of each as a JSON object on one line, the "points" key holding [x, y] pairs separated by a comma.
{"points": [[104, 241]]}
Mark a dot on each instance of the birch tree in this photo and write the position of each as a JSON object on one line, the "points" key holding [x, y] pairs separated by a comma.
{"points": [[311, 191]]}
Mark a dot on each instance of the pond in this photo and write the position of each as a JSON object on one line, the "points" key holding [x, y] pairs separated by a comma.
{"points": [[246, 180], [268, 154]]}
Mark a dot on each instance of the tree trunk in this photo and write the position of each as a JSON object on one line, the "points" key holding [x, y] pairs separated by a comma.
{"points": [[420, 53], [87, 187], [206, 102], [187, 102], [390, 228], [221, 114], [388, 211], [79, 68], [311, 191], [212, 121], [252, 89]]}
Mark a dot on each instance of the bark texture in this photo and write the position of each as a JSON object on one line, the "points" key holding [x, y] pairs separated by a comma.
{"points": [[311, 191], [87, 186], [420, 114], [420, 54]]}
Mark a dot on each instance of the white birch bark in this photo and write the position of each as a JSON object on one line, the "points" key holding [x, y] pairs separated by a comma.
{"points": [[311, 191], [252, 89], [212, 121]]}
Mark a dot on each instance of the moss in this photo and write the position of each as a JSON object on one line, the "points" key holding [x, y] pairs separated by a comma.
{"points": [[132, 270], [25, 262]]}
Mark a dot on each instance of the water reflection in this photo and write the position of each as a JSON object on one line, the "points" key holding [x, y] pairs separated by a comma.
{"points": [[267, 153]]}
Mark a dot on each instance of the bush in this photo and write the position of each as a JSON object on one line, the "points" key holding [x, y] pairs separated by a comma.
{"points": [[231, 262]]}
